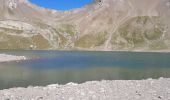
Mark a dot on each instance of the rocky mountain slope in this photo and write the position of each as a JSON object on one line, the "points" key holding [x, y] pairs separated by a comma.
{"points": [[103, 25]]}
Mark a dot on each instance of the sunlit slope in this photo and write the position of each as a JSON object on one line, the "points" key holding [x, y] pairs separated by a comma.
{"points": [[103, 25]]}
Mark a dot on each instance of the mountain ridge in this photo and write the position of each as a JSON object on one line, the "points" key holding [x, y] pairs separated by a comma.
{"points": [[102, 25]]}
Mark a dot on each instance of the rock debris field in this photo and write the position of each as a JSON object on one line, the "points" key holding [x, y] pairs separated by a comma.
{"points": [[150, 89]]}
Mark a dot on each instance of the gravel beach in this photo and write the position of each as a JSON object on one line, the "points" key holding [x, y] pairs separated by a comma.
{"points": [[7, 58], [150, 89]]}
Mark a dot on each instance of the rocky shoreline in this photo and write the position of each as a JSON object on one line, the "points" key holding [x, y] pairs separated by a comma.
{"points": [[7, 58], [150, 89]]}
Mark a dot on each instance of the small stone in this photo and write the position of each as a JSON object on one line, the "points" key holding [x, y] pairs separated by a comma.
{"points": [[137, 96], [71, 98], [30, 86], [82, 93], [44, 88], [94, 96], [168, 91], [154, 94], [160, 97], [102, 90], [138, 85], [74, 84], [137, 93], [161, 78], [31, 46], [91, 92], [36, 87], [53, 86], [149, 79], [39, 98]]}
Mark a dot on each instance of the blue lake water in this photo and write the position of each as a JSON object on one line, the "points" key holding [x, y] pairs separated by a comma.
{"points": [[52, 67]]}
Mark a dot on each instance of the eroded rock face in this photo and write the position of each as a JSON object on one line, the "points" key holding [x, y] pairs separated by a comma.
{"points": [[102, 25]]}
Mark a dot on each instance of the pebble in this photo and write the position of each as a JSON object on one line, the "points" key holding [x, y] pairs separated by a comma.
{"points": [[52, 86], [160, 97], [137, 96], [39, 98], [74, 84], [138, 93], [71, 98], [161, 78], [91, 92], [102, 91], [82, 93], [149, 79]]}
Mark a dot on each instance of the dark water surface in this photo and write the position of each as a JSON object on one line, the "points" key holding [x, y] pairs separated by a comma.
{"points": [[52, 67]]}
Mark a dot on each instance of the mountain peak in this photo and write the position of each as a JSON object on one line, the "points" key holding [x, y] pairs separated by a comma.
{"points": [[12, 4]]}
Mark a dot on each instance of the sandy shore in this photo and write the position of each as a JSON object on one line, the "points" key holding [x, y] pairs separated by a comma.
{"points": [[7, 58], [104, 90]]}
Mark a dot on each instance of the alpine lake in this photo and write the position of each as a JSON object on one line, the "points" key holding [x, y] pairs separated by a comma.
{"points": [[61, 67]]}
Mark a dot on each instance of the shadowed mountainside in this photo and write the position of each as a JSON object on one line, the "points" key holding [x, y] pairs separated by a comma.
{"points": [[103, 25]]}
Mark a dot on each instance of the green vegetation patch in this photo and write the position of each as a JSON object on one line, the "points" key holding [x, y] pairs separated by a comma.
{"points": [[19, 42], [69, 29], [156, 33], [158, 45], [91, 40], [40, 42], [138, 31], [142, 19], [16, 42]]}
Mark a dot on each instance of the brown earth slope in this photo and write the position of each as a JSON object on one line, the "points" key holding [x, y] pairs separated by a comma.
{"points": [[102, 25]]}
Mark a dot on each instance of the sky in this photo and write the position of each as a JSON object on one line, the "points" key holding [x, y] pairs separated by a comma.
{"points": [[61, 4]]}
